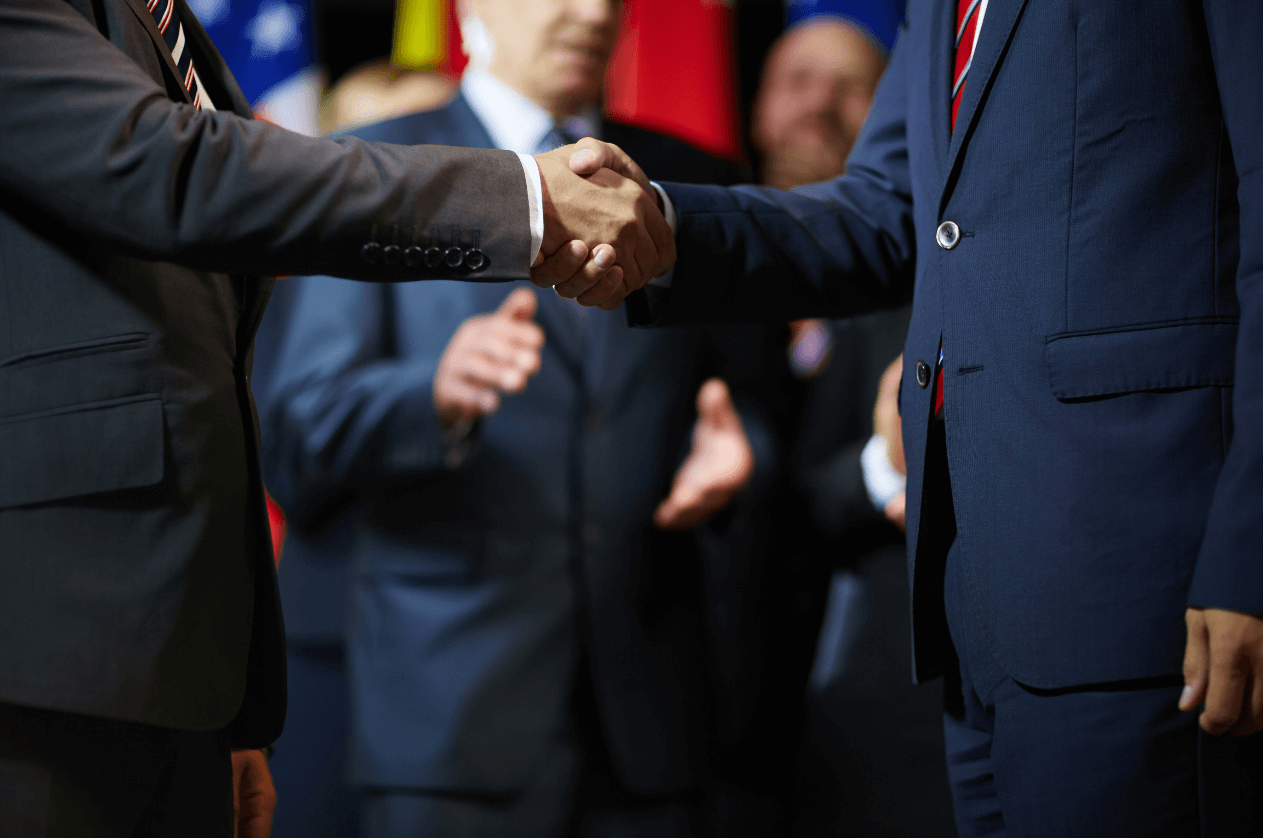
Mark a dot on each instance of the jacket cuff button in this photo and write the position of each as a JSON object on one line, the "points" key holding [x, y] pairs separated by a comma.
{"points": [[412, 256], [432, 257], [392, 254], [453, 257], [475, 259], [371, 253]]}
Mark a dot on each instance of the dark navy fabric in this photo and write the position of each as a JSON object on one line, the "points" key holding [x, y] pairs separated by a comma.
{"points": [[476, 587], [1101, 314]]}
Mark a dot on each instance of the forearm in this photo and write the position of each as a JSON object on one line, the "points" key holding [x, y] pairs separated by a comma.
{"points": [[94, 145]]}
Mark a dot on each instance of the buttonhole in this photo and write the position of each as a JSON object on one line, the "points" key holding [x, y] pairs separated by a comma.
{"points": [[966, 234], [967, 370]]}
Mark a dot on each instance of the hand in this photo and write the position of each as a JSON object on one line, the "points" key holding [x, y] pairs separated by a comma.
{"points": [[602, 206], [1223, 666], [888, 425], [886, 420], [718, 467], [253, 796], [490, 354]]}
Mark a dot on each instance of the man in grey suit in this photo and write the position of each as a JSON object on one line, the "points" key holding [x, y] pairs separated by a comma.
{"points": [[140, 636]]}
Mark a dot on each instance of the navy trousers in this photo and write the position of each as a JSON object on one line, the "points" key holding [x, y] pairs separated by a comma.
{"points": [[1100, 761]]}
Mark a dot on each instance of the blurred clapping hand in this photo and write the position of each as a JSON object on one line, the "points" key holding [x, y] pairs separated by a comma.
{"points": [[490, 354], [718, 467]]}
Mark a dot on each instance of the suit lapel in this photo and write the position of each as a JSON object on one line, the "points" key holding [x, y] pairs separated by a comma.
{"points": [[142, 13], [941, 56], [997, 31]]}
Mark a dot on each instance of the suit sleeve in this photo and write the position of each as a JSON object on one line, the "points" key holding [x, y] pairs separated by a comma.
{"points": [[342, 414], [1229, 572], [832, 249], [95, 147]]}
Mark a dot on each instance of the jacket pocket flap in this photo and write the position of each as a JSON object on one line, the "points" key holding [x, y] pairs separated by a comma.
{"points": [[1161, 356], [84, 450]]}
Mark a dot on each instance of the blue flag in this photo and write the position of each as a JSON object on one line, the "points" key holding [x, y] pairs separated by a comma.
{"points": [[881, 18], [270, 49]]}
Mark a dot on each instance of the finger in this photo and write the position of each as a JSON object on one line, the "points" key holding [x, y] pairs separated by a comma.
{"points": [[561, 266], [688, 507], [1225, 688], [590, 274], [714, 406], [483, 371], [465, 402], [607, 293], [1251, 719], [591, 155], [519, 305], [1196, 655]]}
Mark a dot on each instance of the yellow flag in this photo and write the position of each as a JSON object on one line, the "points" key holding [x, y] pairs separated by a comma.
{"points": [[420, 34]]}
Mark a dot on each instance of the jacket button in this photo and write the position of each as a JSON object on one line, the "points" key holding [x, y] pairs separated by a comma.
{"points": [[412, 256], [371, 253], [923, 374], [453, 257], [475, 259], [392, 254], [432, 257], [948, 235]]}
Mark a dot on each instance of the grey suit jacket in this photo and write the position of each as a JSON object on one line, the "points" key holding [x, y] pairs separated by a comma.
{"points": [[136, 578]]}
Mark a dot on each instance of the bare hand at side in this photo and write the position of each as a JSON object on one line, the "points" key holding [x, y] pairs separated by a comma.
{"points": [[253, 795], [490, 354], [719, 465], [1223, 667]]}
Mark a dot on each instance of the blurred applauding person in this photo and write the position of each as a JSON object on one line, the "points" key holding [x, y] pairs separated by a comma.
{"points": [[526, 631]]}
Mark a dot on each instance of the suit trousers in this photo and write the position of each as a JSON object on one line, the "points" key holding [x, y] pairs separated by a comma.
{"points": [[69, 776], [1097, 761], [575, 794]]}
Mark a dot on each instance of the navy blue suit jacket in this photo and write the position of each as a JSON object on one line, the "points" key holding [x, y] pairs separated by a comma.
{"points": [[476, 586], [1102, 313]]}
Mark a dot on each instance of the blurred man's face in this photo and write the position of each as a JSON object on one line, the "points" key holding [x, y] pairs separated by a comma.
{"points": [[553, 51], [818, 84]]}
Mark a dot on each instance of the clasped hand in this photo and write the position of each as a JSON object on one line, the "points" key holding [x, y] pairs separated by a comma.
{"points": [[604, 232]]}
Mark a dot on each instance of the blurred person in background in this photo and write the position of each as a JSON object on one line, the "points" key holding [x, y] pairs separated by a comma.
{"points": [[527, 620], [873, 743], [378, 90]]}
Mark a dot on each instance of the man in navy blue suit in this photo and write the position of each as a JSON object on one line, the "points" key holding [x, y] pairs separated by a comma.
{"points": [[527, 633], [1073, 191]]}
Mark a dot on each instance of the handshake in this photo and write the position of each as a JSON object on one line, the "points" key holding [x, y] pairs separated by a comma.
{"points": [[604, 231]]}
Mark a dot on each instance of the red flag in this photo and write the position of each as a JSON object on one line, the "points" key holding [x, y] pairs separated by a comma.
{"points": [[674, 71]]}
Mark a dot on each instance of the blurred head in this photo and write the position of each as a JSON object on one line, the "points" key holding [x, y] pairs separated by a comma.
{"points": [[552, 51], [817, 86]]}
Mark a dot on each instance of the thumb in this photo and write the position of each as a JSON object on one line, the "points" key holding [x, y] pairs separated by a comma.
{"points": [[714, 405], [1196, 660], [519, 305], [590, 156]]}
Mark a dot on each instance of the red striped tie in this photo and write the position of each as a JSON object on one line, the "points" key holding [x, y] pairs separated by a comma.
{"points": [[966, 29], [172, 31]]}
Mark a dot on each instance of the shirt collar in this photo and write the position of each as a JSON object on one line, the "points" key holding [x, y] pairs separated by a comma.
{"points": [[514, 122]]}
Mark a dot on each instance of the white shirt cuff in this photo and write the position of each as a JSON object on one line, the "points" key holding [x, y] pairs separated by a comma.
{"points": [[673, 221], [881, 480], [534, 203]]}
